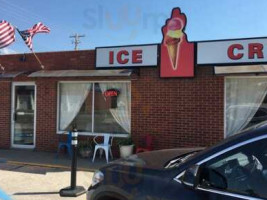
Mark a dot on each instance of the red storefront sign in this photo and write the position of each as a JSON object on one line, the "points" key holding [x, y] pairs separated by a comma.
{"points": [[127, 56], [122, 57], [177, 54], [228, 52], [111, 93], [235, 51]]}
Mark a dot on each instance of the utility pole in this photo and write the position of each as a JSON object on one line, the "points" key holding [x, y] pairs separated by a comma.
{"points": [[76, 41]]}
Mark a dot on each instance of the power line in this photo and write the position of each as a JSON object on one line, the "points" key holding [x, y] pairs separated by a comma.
{"points": [[76, 41]]}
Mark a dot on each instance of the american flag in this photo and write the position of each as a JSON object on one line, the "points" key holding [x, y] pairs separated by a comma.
{"points": [[27, 35], [7, 34]]}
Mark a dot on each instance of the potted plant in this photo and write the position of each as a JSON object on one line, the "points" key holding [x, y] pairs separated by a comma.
{"points": [[126, 146], [85, 148]]}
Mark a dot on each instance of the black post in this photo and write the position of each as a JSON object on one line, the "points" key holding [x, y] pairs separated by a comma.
{"points": [[73, 190], [74, 143]]}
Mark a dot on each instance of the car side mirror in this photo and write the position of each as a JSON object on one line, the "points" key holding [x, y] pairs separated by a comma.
{"points": [[217, 180], [190, 177]]}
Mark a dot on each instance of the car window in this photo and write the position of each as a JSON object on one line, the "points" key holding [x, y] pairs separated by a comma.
{"points": [[241, 171], [261, 113], [241, 159]]}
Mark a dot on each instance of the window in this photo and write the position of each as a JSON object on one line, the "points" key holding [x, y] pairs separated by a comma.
{"points": [[241, 171], [95, 107], [246, 103]]}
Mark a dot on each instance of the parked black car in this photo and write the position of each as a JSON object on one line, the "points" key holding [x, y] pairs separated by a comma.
{"points": [[234, 169]]}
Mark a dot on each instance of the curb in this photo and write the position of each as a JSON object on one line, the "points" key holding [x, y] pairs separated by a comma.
{"points": [[49, 166]]}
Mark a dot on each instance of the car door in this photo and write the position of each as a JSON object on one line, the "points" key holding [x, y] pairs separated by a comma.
{"points": [[238, 172]]}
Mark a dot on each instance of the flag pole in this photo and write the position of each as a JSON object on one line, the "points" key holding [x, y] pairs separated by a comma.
{"points": [[38, 59], [2, 68]]}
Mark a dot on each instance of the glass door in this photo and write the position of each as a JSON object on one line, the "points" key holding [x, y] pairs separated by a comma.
{"points": [[23, 115]]}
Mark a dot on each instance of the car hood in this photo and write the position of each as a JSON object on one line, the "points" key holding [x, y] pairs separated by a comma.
{"points": [[155, 159]]}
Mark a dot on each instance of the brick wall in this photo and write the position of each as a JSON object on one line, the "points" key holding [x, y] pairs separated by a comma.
{"points": [[179, 112], [46, 118], [51, 61], [5, 113]]}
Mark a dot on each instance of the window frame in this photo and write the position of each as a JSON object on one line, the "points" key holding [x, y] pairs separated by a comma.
{"points": [[93, 107]]}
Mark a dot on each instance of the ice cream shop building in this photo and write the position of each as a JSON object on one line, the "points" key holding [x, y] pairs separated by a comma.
{"points": [[184, 94]]}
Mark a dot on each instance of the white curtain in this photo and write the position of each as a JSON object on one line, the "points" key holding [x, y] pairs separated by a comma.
{"points": [[244, 96], [122, 113], [72, 97], [32, 101]]}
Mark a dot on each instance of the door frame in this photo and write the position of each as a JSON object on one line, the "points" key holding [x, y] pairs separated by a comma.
{"points": [[14, 84]]}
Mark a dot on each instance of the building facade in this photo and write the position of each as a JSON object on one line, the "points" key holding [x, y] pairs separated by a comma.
{"points": [[183, 112]]}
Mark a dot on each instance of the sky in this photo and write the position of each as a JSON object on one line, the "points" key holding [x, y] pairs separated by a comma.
{"points": [[127, 22]]}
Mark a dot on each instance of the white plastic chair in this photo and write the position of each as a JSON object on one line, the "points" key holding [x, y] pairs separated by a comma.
{"points": [[106, 146]]}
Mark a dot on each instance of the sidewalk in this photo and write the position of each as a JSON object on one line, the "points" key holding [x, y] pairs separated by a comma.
{"points": [[47, 159]]}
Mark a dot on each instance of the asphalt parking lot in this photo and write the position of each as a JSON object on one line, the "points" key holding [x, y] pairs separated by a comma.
{"points": [[24, 182]]}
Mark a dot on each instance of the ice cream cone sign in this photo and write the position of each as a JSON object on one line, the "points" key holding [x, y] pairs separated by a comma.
{"points": [[173, 39], [177, 54]]}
